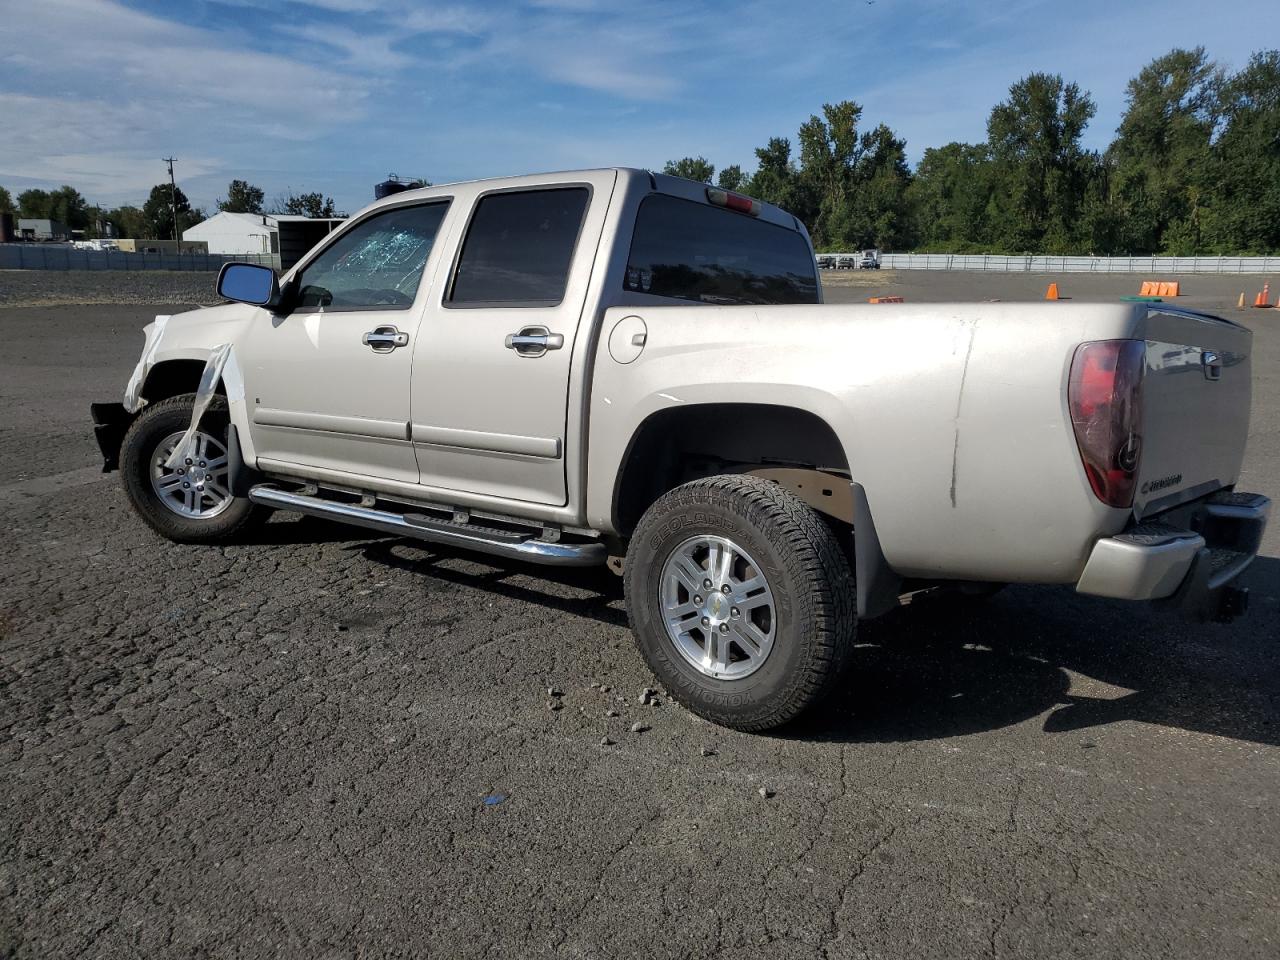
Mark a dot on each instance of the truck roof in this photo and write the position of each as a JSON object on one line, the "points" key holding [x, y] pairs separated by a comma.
{"points": [[657, 182]]}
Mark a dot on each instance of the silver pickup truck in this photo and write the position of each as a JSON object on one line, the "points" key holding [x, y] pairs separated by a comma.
{"points": [[613, 366]]}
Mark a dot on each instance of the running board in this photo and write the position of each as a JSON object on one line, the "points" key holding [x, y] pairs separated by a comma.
{"points": [[498, 543]]}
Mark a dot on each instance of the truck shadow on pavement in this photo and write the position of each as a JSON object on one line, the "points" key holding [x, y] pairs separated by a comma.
{"points": [[940, 669], [591, 592], [949, 667]]}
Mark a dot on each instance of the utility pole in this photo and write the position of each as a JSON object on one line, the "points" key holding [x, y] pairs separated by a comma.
{"points": [[173, 197]]}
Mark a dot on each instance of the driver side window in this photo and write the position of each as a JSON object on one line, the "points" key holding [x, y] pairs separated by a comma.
{"points": [[376, 265]]}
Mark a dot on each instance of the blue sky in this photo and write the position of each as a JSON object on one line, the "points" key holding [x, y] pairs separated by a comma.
{"points": [[332, 95]]}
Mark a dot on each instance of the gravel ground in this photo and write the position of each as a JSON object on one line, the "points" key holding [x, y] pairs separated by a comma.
{"points": [[329, 744], [70, 287]]}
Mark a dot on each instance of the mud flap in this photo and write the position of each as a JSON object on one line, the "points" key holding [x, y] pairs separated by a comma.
{"points": [[110, 423]]}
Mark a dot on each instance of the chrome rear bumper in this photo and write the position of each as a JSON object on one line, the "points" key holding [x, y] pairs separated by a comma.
{"points": [[1189, 556]]}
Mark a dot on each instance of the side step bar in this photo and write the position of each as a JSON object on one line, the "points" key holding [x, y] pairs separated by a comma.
{"points": [[498, 543]]}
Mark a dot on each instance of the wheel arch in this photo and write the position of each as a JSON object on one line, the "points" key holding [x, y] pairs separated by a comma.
{"points": [[795, 448], [175, 376], [679, 444]]}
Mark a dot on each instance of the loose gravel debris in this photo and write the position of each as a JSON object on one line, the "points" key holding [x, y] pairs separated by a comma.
{"points": [[639, 727]]}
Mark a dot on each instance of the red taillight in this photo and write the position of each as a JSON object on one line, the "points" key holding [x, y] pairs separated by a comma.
{"points": [[1105, 399], [733, 201]]}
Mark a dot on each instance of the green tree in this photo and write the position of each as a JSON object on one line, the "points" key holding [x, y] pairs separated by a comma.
{"points": [[6, 202], [313, 205], [242, 197], [776, 179], [1040, 166], [830, 151], [1241, 189], [158, 213], [949, 197], [691, 168], [731, 178], [1162, 150], [34, 204], [130, 222], [65, 205], [879, 208]]}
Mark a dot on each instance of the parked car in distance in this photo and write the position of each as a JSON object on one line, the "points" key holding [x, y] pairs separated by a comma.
{"points": [[614, 366], [870, 260]]}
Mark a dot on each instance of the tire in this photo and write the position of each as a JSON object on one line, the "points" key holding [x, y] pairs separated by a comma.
{"points": [[808, 627], [141, 455]]}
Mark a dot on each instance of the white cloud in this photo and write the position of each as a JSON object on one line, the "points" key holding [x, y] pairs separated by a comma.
{"points": [[99, 92], [133, 54], [364, 52]]}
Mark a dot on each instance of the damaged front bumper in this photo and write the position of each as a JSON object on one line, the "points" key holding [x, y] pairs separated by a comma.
{"points": [[1189, 557], [110, 423]]}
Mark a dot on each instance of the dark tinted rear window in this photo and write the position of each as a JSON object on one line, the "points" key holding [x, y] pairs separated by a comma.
{"points": [[695, 251], [518, 247]]}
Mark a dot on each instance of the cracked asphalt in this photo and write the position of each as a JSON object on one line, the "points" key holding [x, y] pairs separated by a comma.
{"points": [[284, 747]]}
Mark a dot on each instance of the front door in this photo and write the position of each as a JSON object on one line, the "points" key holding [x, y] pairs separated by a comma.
{"points": [[491, 368], [328, 382]]}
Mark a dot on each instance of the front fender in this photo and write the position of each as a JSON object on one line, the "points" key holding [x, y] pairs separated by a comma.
{"points": [[197, 336]]}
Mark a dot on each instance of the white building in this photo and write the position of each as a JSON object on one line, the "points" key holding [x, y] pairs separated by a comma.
{"points": [[284, 236]]}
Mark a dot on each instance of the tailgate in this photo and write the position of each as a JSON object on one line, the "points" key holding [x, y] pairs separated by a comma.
{"points": [[1195, 414]]}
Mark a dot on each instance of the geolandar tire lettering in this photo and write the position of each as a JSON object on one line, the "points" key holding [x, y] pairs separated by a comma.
{"points": [[741, 600]]}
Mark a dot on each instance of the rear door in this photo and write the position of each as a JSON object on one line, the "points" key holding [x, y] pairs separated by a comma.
{"points": [[492, 364]]}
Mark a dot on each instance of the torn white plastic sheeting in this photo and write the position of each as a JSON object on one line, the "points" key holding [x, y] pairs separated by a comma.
{"points": [[208, 384], [154, 331]]}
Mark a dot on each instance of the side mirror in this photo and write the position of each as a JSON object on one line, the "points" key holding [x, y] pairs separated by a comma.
{"points": [[249, 283]]}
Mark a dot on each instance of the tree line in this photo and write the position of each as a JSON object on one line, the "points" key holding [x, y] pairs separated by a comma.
{"points": [[1194, 168], [154, 220]]}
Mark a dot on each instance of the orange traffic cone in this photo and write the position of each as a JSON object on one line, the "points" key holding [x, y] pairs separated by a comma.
{"points": [[1052, 292], [1240, 305], [1264, 298]]}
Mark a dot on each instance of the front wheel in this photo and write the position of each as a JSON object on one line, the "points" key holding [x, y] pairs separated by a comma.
{"points": [[192, 502], [741, 600]]}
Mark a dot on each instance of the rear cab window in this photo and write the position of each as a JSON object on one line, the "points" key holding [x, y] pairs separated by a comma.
{"points": [[694, 251]]}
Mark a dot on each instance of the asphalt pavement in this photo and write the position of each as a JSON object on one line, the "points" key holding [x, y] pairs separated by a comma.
{"points": [[323, 743]]}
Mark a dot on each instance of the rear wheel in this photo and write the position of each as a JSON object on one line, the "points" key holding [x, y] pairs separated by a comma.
{"points": [[190, 502], [741, 600]]}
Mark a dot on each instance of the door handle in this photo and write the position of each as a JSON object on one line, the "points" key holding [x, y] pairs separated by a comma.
{"points": [[533, 341], [385, 339]]}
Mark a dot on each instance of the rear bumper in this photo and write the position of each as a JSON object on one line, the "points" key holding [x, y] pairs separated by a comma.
{"points": [[110, 423], [1189, 556]]}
